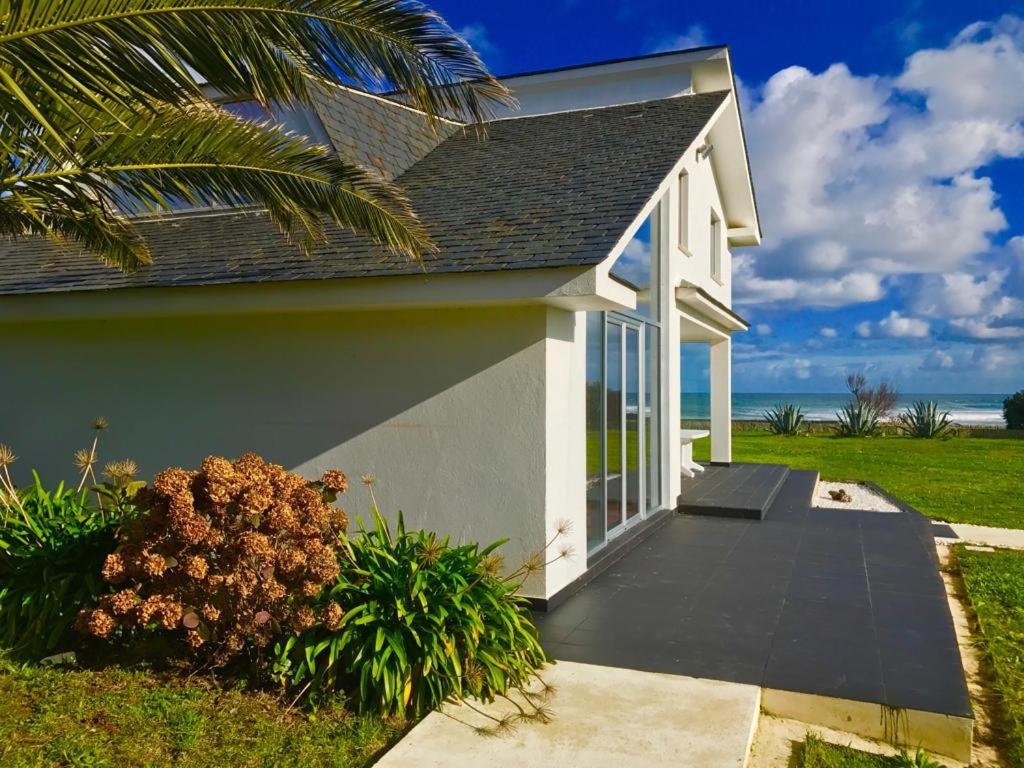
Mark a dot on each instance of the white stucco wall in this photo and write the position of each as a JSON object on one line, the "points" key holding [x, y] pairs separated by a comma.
{"points": [[471, 419], [694, 265]]}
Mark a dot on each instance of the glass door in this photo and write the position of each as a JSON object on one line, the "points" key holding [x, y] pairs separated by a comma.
{"points": [[617, 419], [614, 428], [631, 419]]}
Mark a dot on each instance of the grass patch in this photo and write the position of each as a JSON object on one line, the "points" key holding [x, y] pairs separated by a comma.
{"points": [[815, 753], [995, 586], [962, 480], [121, 719]]}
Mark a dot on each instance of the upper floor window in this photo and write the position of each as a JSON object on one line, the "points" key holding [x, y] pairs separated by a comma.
{"points": [[638, 266], [716, 247], [684, 212]]}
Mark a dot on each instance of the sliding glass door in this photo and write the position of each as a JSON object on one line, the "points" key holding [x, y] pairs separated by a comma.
{"points": [[623, 417]]}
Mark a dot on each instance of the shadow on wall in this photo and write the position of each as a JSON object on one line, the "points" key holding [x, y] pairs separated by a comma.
{"points": [[430, 401]]}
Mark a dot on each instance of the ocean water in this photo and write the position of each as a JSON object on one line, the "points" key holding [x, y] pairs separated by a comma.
{"points": [[963, 409]]}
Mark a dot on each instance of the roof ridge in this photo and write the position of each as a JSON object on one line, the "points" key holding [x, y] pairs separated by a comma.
{"points": [[600, 107]]}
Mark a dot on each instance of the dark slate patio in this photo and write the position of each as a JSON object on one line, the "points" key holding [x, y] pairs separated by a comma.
{"points": [[839, 603]]}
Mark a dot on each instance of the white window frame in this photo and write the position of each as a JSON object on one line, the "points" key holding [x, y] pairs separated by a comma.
{"points": [[683, 213], [716, 247]]}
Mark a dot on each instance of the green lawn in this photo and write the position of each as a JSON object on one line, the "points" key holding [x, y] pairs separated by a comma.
{"points": [[815, 753], [964, 479], [121, 719], [995, 586]]}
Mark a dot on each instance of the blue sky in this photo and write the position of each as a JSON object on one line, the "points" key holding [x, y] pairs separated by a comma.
{"points": [[887, 142]]}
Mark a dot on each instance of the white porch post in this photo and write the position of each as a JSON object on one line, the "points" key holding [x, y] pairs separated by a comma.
{"points": [[721, 401]]}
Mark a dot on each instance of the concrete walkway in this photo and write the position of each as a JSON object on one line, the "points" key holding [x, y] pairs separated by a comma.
{"points": [[1005, 538], [601, 717]]}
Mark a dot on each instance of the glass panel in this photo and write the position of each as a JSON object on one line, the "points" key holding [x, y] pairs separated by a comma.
{"points": [[632, 398], [595, 430], [652, 414], [613, 430], [637, 267]]}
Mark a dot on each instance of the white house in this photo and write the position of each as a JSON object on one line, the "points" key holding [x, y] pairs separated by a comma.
{"points": [[529, 374]]}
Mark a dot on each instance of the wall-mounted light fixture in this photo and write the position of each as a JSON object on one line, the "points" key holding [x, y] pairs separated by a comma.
{"points": [[704, 150]]}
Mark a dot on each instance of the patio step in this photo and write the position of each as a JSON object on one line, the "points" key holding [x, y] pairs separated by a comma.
{"points": [[743, 491]]}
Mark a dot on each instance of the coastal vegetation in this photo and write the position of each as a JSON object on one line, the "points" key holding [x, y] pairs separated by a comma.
{"points": [[785, 419], [1013, 410]]}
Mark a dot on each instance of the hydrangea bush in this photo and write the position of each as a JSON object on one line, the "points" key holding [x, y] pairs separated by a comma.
{"points": [[227, 557]]}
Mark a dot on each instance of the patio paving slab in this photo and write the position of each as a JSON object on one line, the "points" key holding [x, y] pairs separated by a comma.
{"points": [[840, 603], [602, 717]]}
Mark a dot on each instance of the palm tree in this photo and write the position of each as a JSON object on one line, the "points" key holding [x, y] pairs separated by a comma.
{"points": [[105, 108]]}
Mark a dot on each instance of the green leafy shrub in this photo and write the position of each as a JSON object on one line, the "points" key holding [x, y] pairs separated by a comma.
{"points": [[919, 759], [1013, 410], [923, 419], [227, 557], [52, 546], [784, 419], [858, 419], [424, 621]]}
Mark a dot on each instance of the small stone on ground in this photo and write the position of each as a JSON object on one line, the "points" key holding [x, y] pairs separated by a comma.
{"points": [[862, 498]]}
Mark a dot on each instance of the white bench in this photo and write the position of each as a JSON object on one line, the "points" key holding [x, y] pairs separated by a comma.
{"points": [[686, 463]]}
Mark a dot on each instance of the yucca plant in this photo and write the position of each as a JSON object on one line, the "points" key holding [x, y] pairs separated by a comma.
{"points": [[417, 621], [107, 107], [923, 419], [858, 419], [919, 759], [52, 547], [785, 419]]}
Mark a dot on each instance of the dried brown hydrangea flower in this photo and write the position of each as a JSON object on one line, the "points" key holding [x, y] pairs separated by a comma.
{"points": [[335, 480], [241, 549], [332, 615]]}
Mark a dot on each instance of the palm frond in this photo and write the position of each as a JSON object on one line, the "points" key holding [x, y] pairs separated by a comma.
{"points": [[132, 161], [109, 236], [85, 54]]}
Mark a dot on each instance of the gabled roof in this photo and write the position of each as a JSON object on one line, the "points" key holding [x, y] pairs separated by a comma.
{"points": [[547, 191]]}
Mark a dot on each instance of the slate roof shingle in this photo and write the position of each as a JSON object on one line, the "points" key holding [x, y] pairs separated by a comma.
{"points": [[546, 191]]}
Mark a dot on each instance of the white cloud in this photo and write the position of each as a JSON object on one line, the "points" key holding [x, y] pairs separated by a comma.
{"points": [[827, 332], [997, 358], [838, 291], [476, 35], [980, 329], [694, 36], [958, 294], [937, 360], [1016, 246], [885, 175], [763, 329], [895, 326]]}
